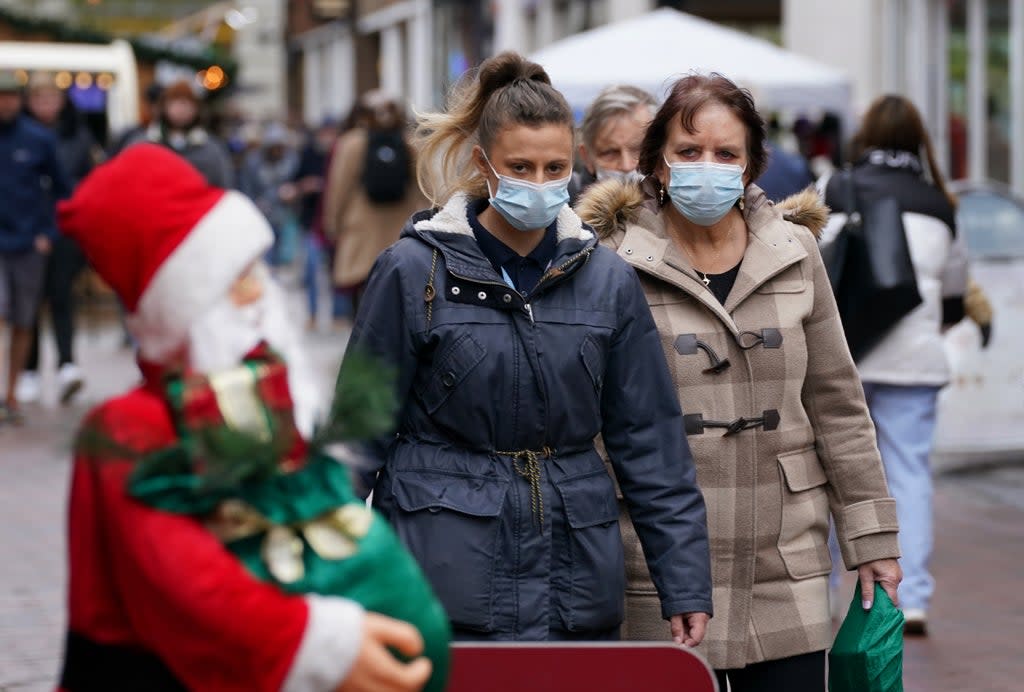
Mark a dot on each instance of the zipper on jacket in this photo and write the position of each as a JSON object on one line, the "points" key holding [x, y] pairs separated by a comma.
{"points": [[557, 271], [563, 266]]}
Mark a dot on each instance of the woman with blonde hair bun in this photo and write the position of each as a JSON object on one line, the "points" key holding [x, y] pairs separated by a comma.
{"points": [[516, 340]]}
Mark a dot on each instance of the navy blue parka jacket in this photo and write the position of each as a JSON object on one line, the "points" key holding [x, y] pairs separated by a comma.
{"points": [[492, 478]]}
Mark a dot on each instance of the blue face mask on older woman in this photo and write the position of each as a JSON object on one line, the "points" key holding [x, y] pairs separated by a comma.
{"points": [[704, 192], [528, 206]]}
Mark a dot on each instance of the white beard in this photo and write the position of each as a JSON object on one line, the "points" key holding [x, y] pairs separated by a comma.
{"points": [[225, 334]]}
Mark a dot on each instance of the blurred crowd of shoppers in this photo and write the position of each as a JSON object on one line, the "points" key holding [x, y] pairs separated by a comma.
{"points": [[329, 232]]}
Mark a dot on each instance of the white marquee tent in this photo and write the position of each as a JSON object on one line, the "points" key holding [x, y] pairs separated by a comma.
{"points": [[653, 50]]}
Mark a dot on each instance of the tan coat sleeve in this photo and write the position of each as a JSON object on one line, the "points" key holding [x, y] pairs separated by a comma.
{"points": [[342, 181], [833, 397]]}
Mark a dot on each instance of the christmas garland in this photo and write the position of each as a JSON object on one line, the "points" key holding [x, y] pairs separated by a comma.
{"points": [[145, 49]]}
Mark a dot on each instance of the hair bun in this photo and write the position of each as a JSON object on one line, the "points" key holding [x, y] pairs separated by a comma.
{"points": [[507, 69]]}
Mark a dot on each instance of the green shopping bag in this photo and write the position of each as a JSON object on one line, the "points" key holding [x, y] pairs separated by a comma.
{"points": [[868, 652]]}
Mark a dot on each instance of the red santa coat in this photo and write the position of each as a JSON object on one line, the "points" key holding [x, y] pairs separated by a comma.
{"points": [[157, 602]]}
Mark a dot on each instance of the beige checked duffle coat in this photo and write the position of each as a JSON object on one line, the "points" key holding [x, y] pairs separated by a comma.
{"points": [[773, 363]]}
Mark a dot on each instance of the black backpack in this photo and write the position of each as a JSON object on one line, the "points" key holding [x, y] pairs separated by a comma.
{"points": [[386, 170]]}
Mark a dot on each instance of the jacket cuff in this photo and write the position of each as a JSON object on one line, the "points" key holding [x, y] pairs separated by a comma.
{"points": [[879, 546], [330, 644], [686, 605], [870, 532]]}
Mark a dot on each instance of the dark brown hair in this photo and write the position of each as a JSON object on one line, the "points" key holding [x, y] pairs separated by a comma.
{"points": [[687, 97], [892, 122], [505, 90]]}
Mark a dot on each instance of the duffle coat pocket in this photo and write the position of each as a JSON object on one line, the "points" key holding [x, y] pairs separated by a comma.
{"points": [[592, 598], [803, 536], [450, 522]]}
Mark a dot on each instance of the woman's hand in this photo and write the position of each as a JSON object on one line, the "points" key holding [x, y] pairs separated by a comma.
{"points": [[688, 628], [376, 669], [886, 572]]}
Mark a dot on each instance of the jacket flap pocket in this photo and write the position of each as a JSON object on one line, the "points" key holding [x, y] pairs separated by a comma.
{"points": [[473, 495], [589, 500], [802, 469], [457, 361]]}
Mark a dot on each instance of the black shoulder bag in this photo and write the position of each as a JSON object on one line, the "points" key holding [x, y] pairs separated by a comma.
{"points": [[870, 268]]}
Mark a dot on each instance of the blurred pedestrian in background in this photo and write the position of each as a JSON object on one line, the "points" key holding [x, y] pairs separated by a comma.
{"points": [[307, 187], [266, 179], [78, 152], [787, 172], [178, 126], [613, 128], [515, 341], [150, 115], [32, 180], [904, 372], [371, 190], [775, 414]]}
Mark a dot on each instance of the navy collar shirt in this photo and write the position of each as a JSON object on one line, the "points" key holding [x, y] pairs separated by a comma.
{"points": [[524, 272]]}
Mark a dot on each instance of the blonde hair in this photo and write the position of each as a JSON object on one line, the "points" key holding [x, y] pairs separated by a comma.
{"points": [[506, 89]]}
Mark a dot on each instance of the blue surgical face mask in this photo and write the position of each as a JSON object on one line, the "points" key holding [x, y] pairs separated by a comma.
{"points": [[704, 192], [528, 206], [614, 174]]}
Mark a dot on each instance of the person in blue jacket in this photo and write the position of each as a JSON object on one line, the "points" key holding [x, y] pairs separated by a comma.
{"points": [[32, 181], [516, 340]]}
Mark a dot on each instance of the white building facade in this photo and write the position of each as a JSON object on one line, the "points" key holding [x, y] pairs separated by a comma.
{"points": [[905, 46], [415, 49], [259, 49]]}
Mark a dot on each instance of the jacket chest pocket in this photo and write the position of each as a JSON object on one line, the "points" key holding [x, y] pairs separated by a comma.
{"points": [[593, 554], [450, 523], [449, 371], [803, 534]]}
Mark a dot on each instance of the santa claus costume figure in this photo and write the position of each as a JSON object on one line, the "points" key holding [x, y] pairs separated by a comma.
{"points": [[212, 546]]}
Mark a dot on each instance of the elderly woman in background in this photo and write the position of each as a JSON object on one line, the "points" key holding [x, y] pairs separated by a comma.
{"points": [[776, 417], [613, 128]]}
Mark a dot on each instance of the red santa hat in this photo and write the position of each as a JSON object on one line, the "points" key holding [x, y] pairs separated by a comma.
{"points": [[167, 243]]}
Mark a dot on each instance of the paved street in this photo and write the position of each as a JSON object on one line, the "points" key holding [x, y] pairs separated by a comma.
{"points": [[979, 560]]}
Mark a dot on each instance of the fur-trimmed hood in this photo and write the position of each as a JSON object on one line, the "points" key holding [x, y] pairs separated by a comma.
{"points": [[608, 205]]}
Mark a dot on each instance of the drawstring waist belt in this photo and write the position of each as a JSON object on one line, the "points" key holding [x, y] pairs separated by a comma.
{"points": [[526, 463]]}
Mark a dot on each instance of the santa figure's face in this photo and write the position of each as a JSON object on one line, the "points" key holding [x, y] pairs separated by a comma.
{"points": [[254, 311]]}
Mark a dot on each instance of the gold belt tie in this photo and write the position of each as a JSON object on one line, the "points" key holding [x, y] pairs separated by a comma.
{"points": [[531, 471]]}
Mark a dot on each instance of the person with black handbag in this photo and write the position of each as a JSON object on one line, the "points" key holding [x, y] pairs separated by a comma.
{"points": [[895, 335]]}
